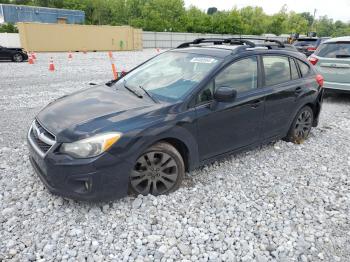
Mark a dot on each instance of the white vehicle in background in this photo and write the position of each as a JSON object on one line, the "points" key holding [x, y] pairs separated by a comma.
{"points": [[332, 61]]}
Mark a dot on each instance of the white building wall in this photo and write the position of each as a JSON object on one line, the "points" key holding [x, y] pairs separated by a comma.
{"points": [[9, 40]]}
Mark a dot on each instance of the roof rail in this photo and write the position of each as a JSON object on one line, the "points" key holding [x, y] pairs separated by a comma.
{"points": [[219, 41], [280, 44]]}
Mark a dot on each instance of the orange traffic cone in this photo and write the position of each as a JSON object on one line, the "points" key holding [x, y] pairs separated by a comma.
{"points": [[51, 66], [30, 60], [70, 56]]}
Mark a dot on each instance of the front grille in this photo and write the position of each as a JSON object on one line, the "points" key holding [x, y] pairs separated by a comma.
{"points": [[42, 145], [41, 138]]}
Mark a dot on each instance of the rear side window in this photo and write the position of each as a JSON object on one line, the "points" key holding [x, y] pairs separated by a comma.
{"points": [[334, 50], [304, 68], [277, 70], [293, 69]]}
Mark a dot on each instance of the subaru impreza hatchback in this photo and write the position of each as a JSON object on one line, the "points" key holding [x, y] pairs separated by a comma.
{"points": [[175, 112]]}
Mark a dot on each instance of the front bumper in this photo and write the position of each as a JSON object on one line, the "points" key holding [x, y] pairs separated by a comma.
{"points": [[101, 178]]}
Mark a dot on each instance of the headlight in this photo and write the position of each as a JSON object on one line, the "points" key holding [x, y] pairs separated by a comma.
{"points": [[91, 146]]}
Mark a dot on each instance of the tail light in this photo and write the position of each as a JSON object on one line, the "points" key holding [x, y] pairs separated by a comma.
{"points": [[313, 60], [320, 80], [312, 48]]}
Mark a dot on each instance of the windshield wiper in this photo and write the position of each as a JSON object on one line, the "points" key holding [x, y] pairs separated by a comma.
{"points": [[148, 94], [132, 90]]}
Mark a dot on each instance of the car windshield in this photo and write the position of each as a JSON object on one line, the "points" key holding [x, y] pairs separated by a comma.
{"points": [[334, 50], [172, 75], [305, 42]]}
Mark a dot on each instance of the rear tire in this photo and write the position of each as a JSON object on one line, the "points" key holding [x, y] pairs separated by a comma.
{"points": [[17, 58], [301, 126], [159, 170]]}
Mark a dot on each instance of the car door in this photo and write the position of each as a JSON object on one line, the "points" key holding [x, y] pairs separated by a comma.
{"points": [[282, 80], [2, 52], [223, 127]]}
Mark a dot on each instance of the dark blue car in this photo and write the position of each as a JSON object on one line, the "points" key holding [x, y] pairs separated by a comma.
{"points": [[175, 112]]}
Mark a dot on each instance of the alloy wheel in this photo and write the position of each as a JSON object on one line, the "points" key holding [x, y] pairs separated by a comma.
{"points": [[303, 125], [155, 173], [18, 58]]}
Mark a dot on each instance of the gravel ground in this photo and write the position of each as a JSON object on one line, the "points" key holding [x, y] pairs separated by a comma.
{"points": [[280, 202]]}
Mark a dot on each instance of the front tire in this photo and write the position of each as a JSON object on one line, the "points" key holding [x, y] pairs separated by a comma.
{"points": [[301, 126], [17, 58], [159, 170]]}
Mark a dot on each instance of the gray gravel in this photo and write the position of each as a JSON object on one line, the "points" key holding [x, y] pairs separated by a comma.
{"points": [[280, 202]]}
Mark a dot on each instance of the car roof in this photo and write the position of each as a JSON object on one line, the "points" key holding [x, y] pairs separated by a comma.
{"points": [[223, 52], [338, 39], [224, 47], [211, 50]]}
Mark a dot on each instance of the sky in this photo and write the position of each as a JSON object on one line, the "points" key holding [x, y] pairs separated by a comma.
{"points": [[336, 9]]}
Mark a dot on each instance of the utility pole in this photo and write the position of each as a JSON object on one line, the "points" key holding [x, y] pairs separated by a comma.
{"points": [[313, 21]]}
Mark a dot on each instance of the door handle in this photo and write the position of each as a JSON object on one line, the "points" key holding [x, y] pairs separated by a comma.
{"points": [[256, 103], [298, 90]]}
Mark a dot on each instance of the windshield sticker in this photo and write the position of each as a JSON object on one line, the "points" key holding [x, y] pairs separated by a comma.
{"points": [[203, 60]]}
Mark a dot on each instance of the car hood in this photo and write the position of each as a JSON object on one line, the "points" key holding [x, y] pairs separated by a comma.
{"points": [[14, 49], [94, 110]]}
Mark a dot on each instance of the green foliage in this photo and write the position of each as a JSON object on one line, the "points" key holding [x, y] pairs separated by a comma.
{"points": [[308, 17], [8, 28], [171, 15], [295, 23], [254, 20]]}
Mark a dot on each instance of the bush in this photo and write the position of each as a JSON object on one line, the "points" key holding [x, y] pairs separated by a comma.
{"points": [[8, 28]]}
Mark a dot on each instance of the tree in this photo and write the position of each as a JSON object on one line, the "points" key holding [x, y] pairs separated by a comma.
{"points": [[160, 15], [254, 20], [296, 23], [171, 15], [277, 23], [325, 26], [341, 29], [309, 18], [197, 21]]}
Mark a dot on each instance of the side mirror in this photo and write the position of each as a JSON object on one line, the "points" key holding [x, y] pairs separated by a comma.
{"points": [[225, 94]]}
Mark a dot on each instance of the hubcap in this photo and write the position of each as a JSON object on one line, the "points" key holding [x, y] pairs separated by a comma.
{"points": [[154, 173], [17, 58], [303, 125]]}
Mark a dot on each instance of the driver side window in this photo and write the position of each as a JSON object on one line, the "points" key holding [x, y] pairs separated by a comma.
{"points": [[241, 76]]}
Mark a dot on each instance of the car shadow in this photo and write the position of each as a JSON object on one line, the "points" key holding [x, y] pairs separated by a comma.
{"points": [[10, 61], [337, 97]]}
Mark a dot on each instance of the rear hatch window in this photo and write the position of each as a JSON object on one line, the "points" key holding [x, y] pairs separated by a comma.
{"points": [[334, 61], [334, 50], [305, 42]]}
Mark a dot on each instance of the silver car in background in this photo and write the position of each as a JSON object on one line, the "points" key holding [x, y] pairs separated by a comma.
{"points": [[332, 61]]}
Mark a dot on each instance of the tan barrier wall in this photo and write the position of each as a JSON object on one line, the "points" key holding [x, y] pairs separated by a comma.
{"points": [[67, 37]]}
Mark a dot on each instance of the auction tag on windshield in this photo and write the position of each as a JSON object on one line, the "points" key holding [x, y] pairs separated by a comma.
{"points": [[203, 60]]}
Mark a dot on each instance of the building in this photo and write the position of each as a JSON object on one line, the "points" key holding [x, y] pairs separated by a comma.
{"points": [[22, 13]]}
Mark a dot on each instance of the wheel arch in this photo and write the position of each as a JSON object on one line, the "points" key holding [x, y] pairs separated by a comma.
{"points": [[181, 139], [181, 147], [316, 111]]}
